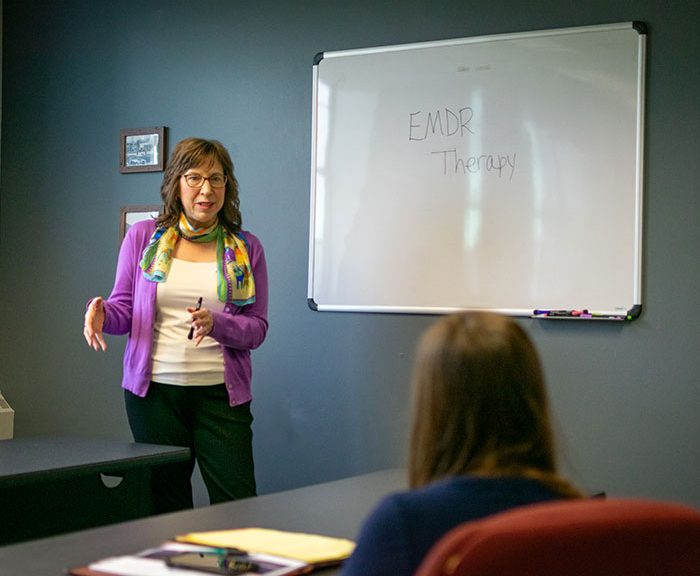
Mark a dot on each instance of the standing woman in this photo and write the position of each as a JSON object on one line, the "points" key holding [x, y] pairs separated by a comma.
{"points": [[191, 293], [481, 442]]}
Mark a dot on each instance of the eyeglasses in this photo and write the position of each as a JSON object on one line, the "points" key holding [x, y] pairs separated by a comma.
{"points": [[197, 180]]}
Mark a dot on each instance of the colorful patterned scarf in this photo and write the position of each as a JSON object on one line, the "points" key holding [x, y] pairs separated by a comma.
{"points": [[235, 276]]}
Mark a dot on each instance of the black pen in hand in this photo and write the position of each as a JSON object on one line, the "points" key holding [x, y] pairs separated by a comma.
{"points": [[191, 333]]}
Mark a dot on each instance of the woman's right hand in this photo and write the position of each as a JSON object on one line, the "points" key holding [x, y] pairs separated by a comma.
{"points": [[94, 320]]}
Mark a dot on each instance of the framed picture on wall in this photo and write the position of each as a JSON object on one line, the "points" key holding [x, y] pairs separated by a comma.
{"points": [[142, 149], [129, 215]]}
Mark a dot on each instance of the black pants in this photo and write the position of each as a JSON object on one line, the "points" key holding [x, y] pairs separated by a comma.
{"points": [[200, 418]]}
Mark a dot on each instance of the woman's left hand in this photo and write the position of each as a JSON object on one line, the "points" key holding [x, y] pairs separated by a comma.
{"points": [[202, 322]]}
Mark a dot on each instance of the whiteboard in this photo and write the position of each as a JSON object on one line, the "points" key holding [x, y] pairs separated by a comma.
{"points": [[499, 172]]}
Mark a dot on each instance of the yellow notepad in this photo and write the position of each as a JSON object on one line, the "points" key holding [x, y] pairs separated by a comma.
{"points": [[309, 548]]}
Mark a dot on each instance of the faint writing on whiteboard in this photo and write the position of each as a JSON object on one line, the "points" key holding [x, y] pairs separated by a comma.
{"points": [[453, 163], [454, 123]]}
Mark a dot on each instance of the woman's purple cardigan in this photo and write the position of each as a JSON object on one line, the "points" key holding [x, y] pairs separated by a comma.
{"points": [[132, 305]]}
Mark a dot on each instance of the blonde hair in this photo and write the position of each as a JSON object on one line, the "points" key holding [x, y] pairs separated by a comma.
{"points": [[480, 405]]}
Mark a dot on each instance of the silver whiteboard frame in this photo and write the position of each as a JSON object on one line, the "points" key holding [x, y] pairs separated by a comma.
{"points": [[636, 308]]}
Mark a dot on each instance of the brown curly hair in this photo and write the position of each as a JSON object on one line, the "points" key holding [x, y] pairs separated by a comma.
{"points": [[191, 153]]}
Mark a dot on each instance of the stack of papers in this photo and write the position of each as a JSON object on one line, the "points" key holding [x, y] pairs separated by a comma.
{"points": [[175, 559], [273, 552]]}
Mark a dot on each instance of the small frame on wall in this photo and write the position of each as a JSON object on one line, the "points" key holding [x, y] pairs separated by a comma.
{"points": [[129, 215], [142, 149]]}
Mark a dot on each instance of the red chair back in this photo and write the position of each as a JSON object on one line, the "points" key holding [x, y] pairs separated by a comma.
{"points": [[591, 537]]}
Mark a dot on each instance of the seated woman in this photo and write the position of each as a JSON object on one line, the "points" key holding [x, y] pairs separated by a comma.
{"points": [[481, 441]]}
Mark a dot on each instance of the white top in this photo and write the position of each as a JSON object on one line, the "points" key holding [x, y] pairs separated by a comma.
{"points": [[176, 360]]}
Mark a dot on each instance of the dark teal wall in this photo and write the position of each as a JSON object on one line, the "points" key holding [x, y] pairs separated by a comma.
{"points": [[331, 389]]}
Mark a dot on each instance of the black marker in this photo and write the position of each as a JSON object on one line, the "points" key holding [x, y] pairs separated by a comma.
{"points": [[199, 305]]}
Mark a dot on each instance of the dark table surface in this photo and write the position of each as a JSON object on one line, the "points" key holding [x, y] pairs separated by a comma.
{"points": [[334, 508], [24, 460]]}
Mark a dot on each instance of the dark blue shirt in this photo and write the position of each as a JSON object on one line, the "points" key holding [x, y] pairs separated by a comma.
{"points": [[399, 533]]}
